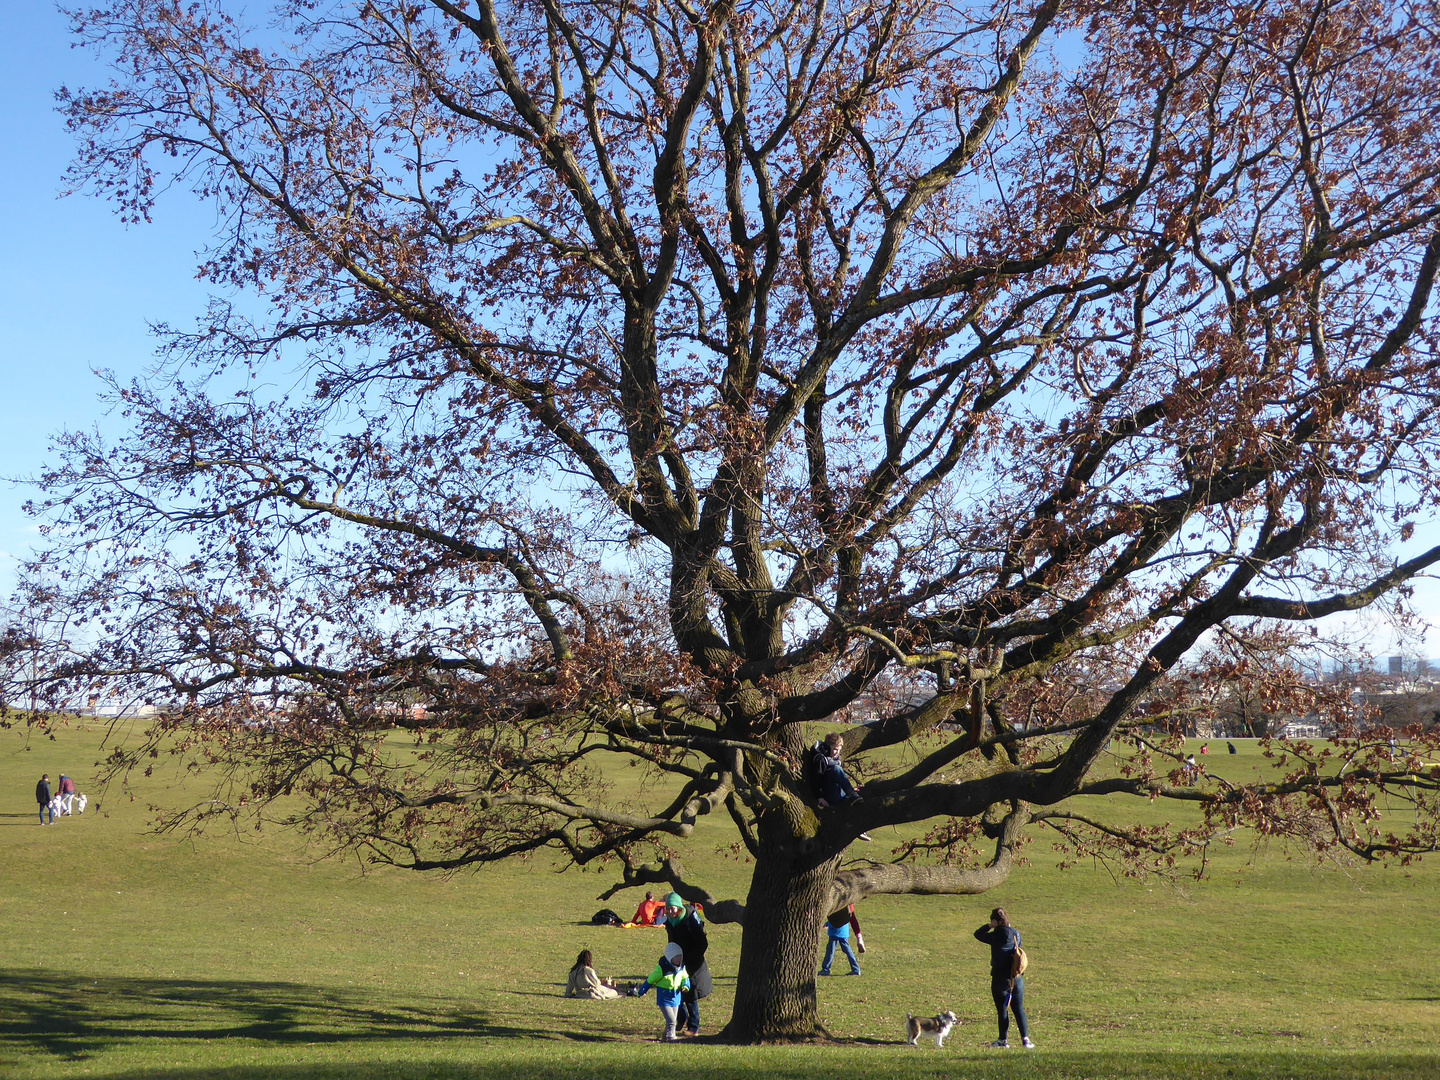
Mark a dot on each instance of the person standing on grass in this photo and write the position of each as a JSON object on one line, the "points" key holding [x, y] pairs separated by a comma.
{"points": [[1007, 988], [687, 929], [43, 797], [67, 795], [837, 933], [670, 981]]}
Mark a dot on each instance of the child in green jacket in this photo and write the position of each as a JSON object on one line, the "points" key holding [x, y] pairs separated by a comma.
{"points": [[670, 980]]}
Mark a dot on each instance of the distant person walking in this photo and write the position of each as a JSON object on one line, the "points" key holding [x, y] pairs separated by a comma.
{"points": [[43, 797], [1007, 988]]}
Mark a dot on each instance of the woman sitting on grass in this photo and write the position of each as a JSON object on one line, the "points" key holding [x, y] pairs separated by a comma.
{"points": [[584, 983]]}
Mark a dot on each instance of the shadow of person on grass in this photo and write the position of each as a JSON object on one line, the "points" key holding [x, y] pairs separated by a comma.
{"points": [[71, 1017]]}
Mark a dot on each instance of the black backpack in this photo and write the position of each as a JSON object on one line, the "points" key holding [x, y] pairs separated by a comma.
{"points": [[606, 917]]}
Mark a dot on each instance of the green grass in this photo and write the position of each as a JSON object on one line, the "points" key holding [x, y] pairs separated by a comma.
{"points": [[240, 956]]}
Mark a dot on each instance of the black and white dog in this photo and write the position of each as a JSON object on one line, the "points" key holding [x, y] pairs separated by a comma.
{"points": [[932, 1027]]}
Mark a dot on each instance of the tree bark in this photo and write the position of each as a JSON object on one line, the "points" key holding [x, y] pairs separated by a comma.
{"points": [[775, 986]]}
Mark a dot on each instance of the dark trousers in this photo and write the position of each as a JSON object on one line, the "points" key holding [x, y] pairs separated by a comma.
{"points": [[1008, 1000], [689, 1017]]}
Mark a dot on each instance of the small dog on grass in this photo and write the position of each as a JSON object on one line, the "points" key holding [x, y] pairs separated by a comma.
{"points": [[932, 1027]]}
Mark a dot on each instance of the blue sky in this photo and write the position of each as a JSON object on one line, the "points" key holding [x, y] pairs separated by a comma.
{"points": [[78, 290]]}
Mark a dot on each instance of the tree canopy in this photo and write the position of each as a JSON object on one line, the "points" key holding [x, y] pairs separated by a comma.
{"points": [[656, 379]]}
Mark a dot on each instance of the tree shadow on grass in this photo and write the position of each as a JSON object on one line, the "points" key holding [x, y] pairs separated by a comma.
{"points": [[71, 1017], [746, 1063]]}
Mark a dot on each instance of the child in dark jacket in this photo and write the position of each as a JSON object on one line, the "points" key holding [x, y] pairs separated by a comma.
{"points": [[670, 980]]}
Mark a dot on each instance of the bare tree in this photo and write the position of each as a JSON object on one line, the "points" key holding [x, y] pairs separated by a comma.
{"points": [[671, 373]]}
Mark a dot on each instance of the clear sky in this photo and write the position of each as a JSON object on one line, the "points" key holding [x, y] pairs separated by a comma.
{"points": [[78, 290]]}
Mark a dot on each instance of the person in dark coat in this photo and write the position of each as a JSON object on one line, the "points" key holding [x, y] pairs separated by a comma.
{"points": [[687, 929], [43, 797], [832, 784], [1006, 988]]}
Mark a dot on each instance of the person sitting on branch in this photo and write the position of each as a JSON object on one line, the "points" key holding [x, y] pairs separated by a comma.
{"points": [[832, 785]]}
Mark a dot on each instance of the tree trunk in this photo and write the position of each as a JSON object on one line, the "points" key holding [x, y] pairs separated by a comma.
{"points": [[775, 987]]}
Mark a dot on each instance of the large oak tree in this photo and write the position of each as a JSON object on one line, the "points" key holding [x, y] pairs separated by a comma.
{"points": [[654, 378]]}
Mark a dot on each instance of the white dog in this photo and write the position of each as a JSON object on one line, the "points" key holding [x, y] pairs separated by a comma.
{"points": [[932, 1027]]}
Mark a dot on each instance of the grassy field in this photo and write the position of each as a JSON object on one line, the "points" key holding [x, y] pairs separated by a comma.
{"points": [[124, 955]]}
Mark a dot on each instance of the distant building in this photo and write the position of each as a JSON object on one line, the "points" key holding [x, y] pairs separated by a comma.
{"points": [[1397, 665]]}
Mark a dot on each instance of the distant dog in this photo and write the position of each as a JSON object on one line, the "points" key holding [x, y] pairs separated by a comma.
{"points": [[932, 1027]]}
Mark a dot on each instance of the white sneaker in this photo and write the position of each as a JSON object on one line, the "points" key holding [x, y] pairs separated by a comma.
{"points": [[1000, 1044], [1025, 1042]]}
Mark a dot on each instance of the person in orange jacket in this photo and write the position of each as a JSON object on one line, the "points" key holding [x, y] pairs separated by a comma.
{"points": [[646, 913]]}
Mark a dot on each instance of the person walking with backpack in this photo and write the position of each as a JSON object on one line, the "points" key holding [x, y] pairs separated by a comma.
{"points": [[1007, 985]]}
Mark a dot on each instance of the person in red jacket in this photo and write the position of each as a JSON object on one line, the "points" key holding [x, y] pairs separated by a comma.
{"points": [[67, 795], [647, 912]]}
